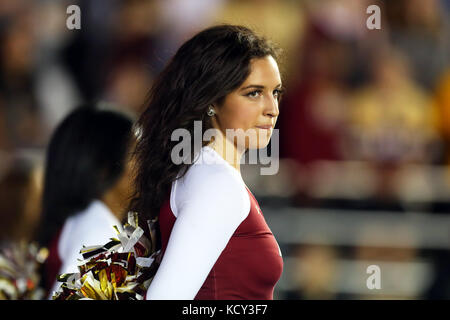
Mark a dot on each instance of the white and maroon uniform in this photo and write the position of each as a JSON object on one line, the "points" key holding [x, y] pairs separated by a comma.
{"points": [[215, 241]]}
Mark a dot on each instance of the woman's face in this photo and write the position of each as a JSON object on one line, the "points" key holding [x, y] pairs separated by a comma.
{"points": [[253, 107]]}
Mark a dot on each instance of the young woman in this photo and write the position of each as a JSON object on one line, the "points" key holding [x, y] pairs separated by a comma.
{"points": [[215, 243], [86, 188]]}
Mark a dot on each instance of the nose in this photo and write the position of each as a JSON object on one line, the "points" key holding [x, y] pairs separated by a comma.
{"points": [[271, 108]]}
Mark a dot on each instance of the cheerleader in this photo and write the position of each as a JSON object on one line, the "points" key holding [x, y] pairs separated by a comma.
{"points": [[86, 187], [214, 240]]}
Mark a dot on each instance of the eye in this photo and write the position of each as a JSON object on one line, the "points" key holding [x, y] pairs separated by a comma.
{"points": [[253, 94], [278, 93]]}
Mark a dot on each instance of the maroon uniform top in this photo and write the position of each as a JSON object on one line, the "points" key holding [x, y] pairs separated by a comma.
{"points": [[249, 266]]}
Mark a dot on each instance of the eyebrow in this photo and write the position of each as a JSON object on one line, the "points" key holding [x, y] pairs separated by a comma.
{"points": [[257, 86]]}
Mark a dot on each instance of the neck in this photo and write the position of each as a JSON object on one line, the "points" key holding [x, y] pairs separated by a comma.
{"points": [[114, 203], [228, 151]]}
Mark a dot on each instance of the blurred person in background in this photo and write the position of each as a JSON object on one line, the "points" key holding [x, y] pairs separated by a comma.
{"points": [[311, 125], [441, 100], [391, 119], [128, 86], [421, 30], [113, 58], [18, 102], [86, 188], [20, 198], [132, 57], [315, 272], [281, 20], [36, 91], [178, 21], [394, 249], [20, 257]]}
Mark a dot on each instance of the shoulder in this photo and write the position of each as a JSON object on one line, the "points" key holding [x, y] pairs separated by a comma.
{"points": [[96, 214], [215, 187], [92, 226]]}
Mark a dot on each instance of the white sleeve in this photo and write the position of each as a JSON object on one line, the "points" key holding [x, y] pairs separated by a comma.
{"points": [[210, 207]]}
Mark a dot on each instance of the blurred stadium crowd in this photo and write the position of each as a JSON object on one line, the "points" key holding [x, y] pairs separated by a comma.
{"points": [[364, 126]]}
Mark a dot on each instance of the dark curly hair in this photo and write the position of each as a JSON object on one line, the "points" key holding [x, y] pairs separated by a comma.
{"points": [[204, 70]]}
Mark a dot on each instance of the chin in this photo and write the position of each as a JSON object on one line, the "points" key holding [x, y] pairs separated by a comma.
{"points": [[256, 139], [258, 144]]}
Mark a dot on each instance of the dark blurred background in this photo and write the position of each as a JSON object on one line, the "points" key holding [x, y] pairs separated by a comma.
{"points": [[364, 174]]}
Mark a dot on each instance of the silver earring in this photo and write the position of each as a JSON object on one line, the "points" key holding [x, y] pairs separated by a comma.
{"points": [[210, 111]]}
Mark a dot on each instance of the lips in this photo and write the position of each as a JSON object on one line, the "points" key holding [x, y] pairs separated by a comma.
{"points": [[267, 127]]}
